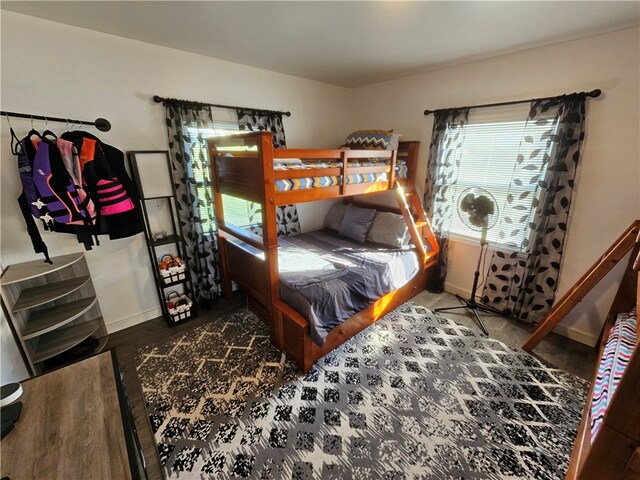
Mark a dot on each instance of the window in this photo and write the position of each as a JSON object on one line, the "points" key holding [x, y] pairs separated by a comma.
{"points": [[236, 210], [490, 149]]}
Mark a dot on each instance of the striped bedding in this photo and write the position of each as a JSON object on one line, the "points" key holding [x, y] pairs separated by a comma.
{"points": [[284, 185], [617, 352], [328, 279]]}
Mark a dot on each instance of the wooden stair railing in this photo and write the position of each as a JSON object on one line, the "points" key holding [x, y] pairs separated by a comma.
{"points": [[614, 453], [423, 220], [416, 228], [592, 276]]}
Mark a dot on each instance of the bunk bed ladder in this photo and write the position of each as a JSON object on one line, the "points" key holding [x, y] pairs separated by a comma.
{"points": [[597, 272], [416, 228]]}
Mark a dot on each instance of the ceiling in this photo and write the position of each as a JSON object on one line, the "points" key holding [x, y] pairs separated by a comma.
{"points": [[343, 43]]}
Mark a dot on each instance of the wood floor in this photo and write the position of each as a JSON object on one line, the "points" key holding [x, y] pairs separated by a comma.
{"points": [[554, 349]]}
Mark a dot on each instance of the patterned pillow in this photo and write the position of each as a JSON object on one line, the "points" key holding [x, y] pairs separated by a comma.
{"points": [[334, 216], [368, 140], [356, 223], [389, 229]]}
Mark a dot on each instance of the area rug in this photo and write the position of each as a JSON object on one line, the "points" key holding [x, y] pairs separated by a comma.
{"points": [[416, 396]]}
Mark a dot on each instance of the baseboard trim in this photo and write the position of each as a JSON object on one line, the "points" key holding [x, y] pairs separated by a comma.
{"points": [[456, 290], [577, 335], [132, 320], [572, 333]]}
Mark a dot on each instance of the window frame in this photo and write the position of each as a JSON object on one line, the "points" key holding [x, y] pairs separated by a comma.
{"points": [[494, 243], [226, 128]]}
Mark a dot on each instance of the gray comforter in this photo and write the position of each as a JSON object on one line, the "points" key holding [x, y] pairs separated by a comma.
{"points": [[328, 279]]}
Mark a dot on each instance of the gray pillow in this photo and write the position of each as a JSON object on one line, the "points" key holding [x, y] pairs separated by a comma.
{"points": [[389, 229], [334, 216], [356, 223]]}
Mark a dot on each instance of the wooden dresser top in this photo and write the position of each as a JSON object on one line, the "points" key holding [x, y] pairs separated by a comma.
{"points": [[70, 426]]}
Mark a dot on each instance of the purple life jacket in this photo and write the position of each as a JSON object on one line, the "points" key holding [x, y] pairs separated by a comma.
{"points": [[58, 192], [26, 153]]}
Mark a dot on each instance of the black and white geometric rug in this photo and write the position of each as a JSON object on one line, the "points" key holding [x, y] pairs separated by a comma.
{"points": [[416, 396]]}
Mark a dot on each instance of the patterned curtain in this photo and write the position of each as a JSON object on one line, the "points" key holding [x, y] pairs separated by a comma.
{"points": [[522, 279], [195, 199], [442, 174], [259, 120]]}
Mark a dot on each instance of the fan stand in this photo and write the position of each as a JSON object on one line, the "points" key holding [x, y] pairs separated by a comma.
{"points": [[471, 303]]}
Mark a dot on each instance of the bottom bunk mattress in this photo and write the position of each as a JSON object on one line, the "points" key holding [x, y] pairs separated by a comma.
{"points": [[328, 279]]}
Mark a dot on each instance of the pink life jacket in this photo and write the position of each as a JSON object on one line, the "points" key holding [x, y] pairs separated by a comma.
{"points": [[112, 196], [69, 154]]}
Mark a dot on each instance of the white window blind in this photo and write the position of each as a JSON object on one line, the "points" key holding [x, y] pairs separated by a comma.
{"points": [[236, 210], [492, 142]]}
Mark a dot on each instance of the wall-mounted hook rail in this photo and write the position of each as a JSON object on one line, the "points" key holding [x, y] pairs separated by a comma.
{"points": [[101, 124]]}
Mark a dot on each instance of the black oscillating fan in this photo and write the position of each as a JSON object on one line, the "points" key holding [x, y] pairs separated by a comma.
{"points": [[478, 210]]}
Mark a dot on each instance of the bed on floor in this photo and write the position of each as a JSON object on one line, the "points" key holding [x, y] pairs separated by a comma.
{"points": [[328, 279], [351, 285]]}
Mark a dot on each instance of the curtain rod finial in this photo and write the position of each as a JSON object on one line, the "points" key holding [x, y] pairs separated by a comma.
{"points": [[428, 112], [102, 124], [595, 93], [157, 98]]}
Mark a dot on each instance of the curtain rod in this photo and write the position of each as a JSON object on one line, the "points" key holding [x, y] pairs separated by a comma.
{"points": [[189, 103], [593, 93], [101, 124]]}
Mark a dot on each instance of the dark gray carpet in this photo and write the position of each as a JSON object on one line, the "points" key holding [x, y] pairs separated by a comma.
{"points": [[416, 396]]}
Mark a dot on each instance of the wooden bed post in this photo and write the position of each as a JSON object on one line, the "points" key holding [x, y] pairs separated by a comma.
{"points": [[227, 288], [270, 232]]}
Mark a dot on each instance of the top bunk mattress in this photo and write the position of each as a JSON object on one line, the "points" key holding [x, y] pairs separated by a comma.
{"points": [[328, 279], [283, 185]]}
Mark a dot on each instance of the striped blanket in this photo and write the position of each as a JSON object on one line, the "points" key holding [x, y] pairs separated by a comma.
{"points": [[286, 184], [617, 352]]}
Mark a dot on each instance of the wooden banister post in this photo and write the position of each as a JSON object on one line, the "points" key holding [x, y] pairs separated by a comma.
{"points": [[591, 277], [345, 159], [416, 236], [227, 287]]}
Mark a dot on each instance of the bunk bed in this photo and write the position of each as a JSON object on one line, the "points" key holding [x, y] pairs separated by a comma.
{"points": [[608, 441], [246, 166]]}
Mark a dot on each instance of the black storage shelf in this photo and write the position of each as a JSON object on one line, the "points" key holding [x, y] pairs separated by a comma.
{"points": [[168, 240], [178, 282], [174, 238]]}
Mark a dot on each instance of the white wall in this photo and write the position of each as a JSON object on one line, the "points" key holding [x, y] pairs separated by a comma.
{"points": [[607, 195], [59, 70]]}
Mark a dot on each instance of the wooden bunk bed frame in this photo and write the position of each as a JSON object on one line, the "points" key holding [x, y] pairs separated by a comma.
{"points": [[614, 453], [252, 261]]}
